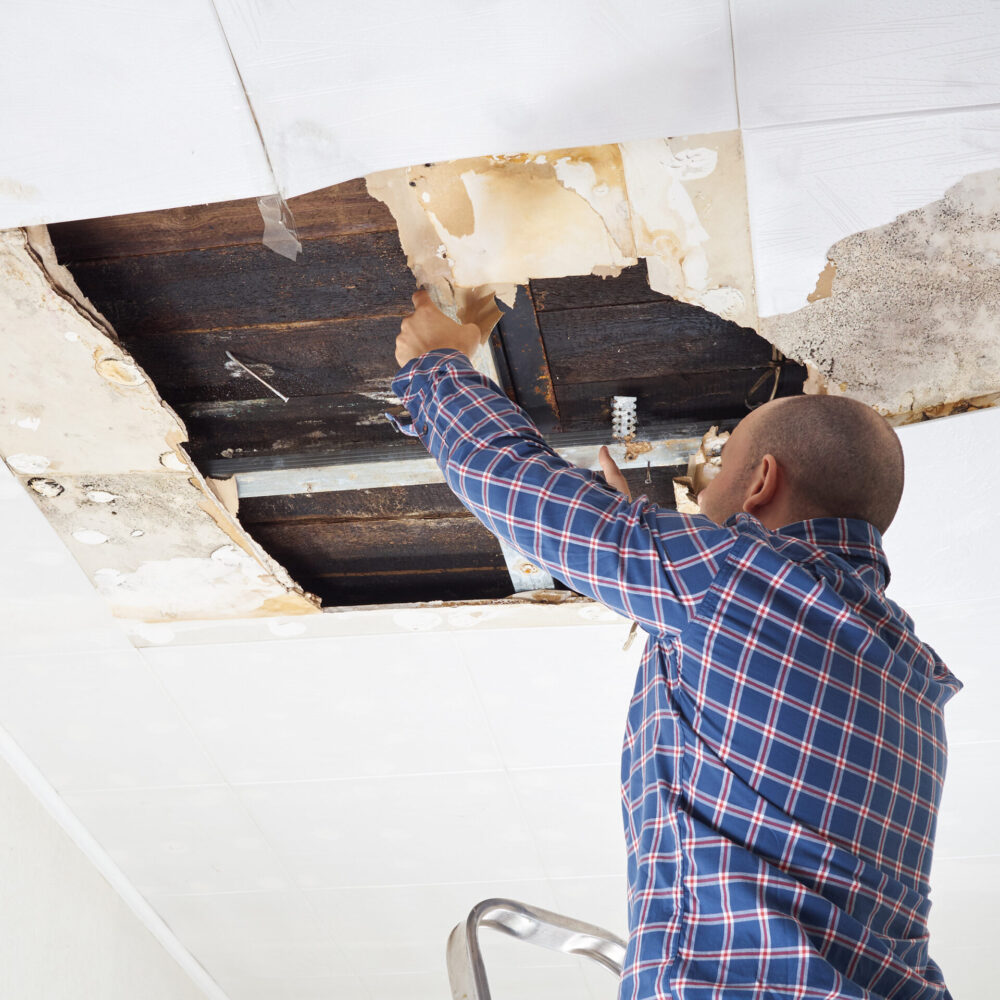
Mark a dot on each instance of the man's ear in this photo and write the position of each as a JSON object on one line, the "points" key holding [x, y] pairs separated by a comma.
{"points": [[763, 488]]}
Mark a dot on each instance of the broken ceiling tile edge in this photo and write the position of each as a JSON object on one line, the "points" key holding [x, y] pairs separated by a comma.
{"points": [[186, 556], [493, 221]]}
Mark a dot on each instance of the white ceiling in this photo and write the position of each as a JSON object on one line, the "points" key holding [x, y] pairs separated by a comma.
{"points": [[847, 120], [312, 812]]}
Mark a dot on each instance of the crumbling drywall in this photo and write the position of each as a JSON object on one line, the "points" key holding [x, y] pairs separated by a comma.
{"points": [[906, 317], [471, 227], [87, 435]]}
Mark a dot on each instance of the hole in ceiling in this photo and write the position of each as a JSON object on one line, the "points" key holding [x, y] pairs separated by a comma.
{"points": [[197, 300]]}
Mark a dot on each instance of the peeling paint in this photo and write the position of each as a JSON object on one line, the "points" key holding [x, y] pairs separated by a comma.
{"points": [[911, 323], [117, 485], [492, 223]]}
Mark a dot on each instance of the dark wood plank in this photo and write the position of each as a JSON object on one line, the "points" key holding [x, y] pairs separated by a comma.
{"points": [[334, 211], [248, 286], [704, 396], [314, 429], [614, 343], [527, 363], [585, 291], [326, 357], [389, 503], [363, 588], [410, 545]]}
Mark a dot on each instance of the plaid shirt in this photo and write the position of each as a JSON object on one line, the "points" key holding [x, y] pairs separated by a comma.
{"points": [[785, 746]]}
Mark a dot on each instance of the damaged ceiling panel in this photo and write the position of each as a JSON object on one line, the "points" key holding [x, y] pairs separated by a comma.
{"points": [[90, 438], [493, 223], [208, 313], [910, 321]]}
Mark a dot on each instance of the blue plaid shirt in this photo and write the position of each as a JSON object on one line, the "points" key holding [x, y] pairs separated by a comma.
{"points": [[785, 746]]}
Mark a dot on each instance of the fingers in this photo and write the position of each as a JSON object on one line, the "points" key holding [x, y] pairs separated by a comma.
{"points": [[612, 473]]}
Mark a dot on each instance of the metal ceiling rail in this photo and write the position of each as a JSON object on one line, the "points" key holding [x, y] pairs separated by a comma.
{"points": [[361, 475]]}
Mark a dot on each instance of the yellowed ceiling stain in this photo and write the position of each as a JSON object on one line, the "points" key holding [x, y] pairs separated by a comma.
{"points": [[909, 323], [101, 454], [492, 223]]}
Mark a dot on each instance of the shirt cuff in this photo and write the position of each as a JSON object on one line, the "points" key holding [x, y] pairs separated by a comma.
{"points": [[411, 378]]}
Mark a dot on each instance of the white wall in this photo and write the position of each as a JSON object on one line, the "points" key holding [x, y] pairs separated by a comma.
{"points": [[65, 933]]}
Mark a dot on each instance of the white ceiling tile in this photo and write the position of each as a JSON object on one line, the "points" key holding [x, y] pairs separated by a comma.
{"points": [[600, 900], [969, 971], [180, 840], [459, 827], [409, 985], [554, 696], [404, 928], [601, 982], [47, 604], [254, 935], [943, 552], [342, 90], [562, 981], [970, 806], [111, 726], [957, 633], [798, 62], [963, 923], [809, 186], [330, 708], [575, 816], [297, 988], [963, 896], [122, 107]]}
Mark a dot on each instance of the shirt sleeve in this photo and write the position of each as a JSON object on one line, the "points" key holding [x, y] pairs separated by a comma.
{"points": [[647, 563]]}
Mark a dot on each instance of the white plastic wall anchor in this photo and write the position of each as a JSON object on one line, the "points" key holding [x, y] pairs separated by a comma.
{"points": [[623, 417]]}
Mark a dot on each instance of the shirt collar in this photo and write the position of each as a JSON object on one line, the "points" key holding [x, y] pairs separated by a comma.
{"points": [[858, 542]]}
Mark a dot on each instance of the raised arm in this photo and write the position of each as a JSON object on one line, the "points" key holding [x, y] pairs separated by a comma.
{"points": [[647, 563]]}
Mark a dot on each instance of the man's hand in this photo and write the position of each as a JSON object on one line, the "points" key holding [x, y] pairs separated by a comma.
{"points": [[612, 473], [428, 329]]}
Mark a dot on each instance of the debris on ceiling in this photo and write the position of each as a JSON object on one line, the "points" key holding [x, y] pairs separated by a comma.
{"points": [[497, 222]]}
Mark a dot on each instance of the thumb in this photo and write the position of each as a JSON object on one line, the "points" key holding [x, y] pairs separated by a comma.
{"points": [[612, 473]]}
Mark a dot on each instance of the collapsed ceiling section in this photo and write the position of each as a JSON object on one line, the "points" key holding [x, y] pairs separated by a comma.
{"points": [[279, 371], [260, 469]]}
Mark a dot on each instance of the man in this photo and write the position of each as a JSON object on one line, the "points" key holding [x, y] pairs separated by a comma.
{"points": [[785, 749]]}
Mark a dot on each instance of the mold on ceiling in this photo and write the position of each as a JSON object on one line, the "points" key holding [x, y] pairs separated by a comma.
{"points": [[906, 317]]}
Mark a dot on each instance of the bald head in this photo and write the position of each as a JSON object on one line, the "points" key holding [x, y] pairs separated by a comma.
{"points": [[841, 458]]}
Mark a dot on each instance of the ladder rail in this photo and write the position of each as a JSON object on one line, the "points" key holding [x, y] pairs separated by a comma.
{"points": [[531, 924]]}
